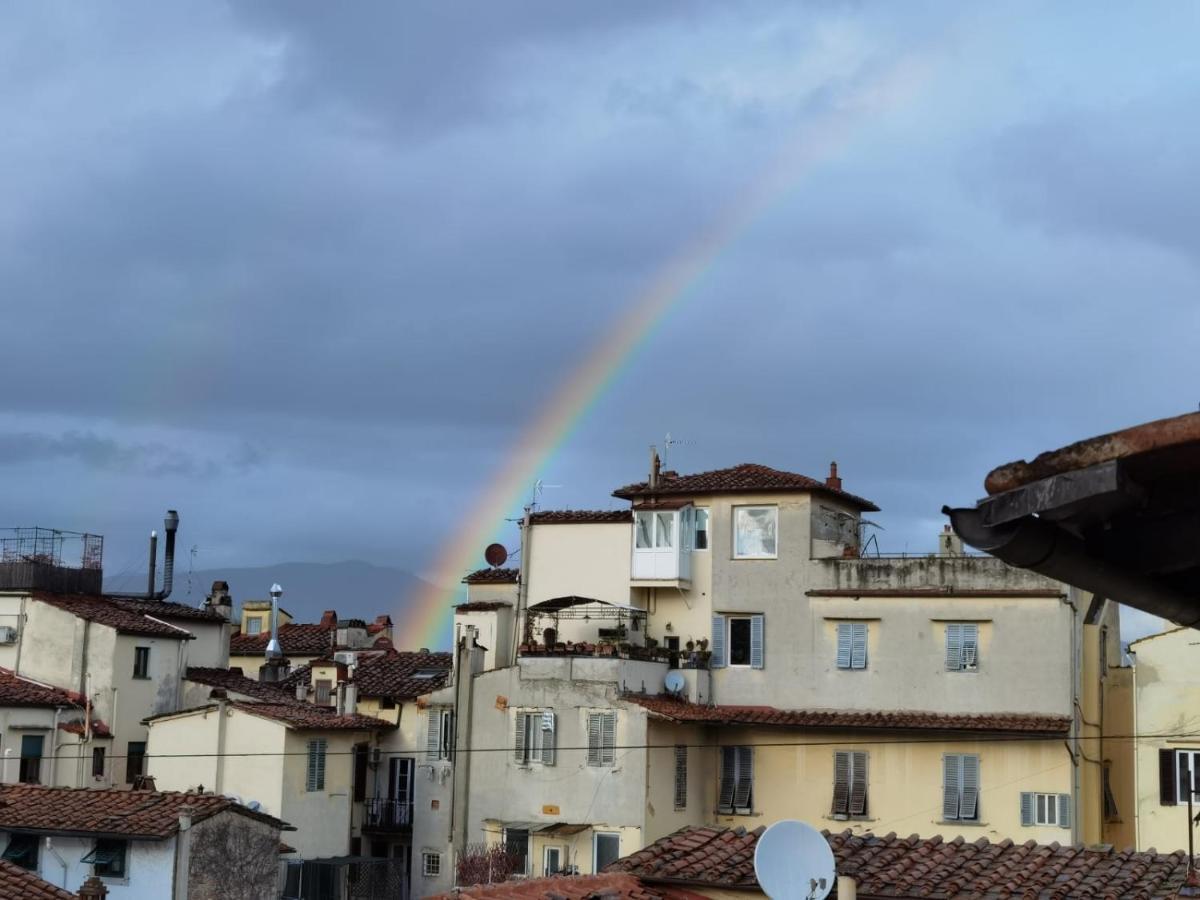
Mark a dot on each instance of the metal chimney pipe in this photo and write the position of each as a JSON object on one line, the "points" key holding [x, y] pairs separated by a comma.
{"points": [[153, 562], [274, 651], [171, 525]]}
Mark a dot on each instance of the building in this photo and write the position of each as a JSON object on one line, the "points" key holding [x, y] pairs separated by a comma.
{"points": [[303, 643], [142, 843], [937, 694]]}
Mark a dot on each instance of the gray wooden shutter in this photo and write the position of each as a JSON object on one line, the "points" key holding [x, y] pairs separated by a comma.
{"points": [[681, 752], [718, 643], [756, 642], [1064, 810], [858, 784], [858, 645], [593, 751], [743, 797], [549, 726], [841, 783], [970, 787], [1167, 795], [1026, 808], [843, 645], [728, 778], [433, 734], [316, 765], [970, 645], [951, 780], [519, 739], [953, 647], [608, 736]]}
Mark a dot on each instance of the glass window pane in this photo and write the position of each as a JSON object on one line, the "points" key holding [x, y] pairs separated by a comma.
{"points": [[608, 850], [664, 535], [644, 529], [754, 531], [701, 529], [739, 642]]}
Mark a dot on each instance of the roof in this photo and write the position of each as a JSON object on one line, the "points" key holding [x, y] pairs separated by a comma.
{"points": [[18, 882], [493, 576], [947, 591], [394, 675], [918, 868], [307, 717], [608, 886], [579, 516], [1151, 637], [481, 606], [236, 681], [296, 638], [18, 691], [682, 711], [112, 613], [166, 609], [746, 478], [148, 815]]}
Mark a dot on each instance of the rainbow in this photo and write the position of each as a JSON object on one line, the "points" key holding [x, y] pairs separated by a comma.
{"points": [[427, 621]]}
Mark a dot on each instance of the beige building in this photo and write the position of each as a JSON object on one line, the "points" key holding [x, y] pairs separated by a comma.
{"points": [[303, 642]]}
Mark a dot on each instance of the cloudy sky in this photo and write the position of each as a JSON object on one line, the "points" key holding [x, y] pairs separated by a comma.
{"points": [[306, 271]]}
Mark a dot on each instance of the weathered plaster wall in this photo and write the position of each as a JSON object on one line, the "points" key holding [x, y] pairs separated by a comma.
{"points": [[233, 857]]}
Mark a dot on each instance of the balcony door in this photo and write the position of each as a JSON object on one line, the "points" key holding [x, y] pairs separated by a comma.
{"points": [[400, 780]]}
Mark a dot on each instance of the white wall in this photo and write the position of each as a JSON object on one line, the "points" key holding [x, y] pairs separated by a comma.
{"points": [[211, 644], [149, 866]]}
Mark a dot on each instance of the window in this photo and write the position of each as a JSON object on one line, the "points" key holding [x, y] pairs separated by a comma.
{"points": [[1045, 809], [108, 858], [681, 776], [135, 761], [654, 530], [254, 625], [551, 860], [315, 778], [31, 759], [361, 757], [22, 850], [737, 780], [438, 734], [291, 879], [852, 645], [141, 662], [700, 528], [962, 646], [849, 783], [960, 787], [534, 737], [606, 849], [754, 532], [516, 844], [738, 641], [1175, 773], [1111, 813], [324, 691], [602, 738], [97, 762], [431, 864]]}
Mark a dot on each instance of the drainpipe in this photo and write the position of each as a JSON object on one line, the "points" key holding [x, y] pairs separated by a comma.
{"points": [[1076, 720], [218, 788], [523, 582], [183, 854], [54, 747], [20, 637], [112, 769], [7, 767], [1133, 705], [62, 862]]}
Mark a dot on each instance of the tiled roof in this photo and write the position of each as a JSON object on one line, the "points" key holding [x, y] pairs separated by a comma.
{"points": [[746, 478], [151, 815], [917, 868], [17, 691], [493, 576], [393, 675], [682, 711], [113, 613], [481, 606], [307, 717], [166, 609], [579, 516], [298, 638], [609, 886], [16, 882], [236, 681]]}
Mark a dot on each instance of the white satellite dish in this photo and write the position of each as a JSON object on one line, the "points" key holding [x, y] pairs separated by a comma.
{"points": [[675, 683], [793, 861]]}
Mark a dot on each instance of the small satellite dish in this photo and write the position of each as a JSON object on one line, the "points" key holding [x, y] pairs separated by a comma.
{"points": [[496, 555], [675, 683], [793, 861]]}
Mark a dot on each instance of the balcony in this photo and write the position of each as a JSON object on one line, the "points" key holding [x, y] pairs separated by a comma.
{"points": [[386, 814], [662, 547]]}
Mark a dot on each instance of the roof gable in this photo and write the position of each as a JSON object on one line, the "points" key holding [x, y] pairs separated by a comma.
{"points": [[395, 675], [114, 614], [745, 478]]}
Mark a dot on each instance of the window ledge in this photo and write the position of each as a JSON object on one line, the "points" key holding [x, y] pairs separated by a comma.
{"points": [[850, 818], [961, 822]]}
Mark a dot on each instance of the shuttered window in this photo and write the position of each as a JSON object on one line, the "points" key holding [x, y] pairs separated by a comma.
{"points": [[718, 642], [438, 735], [849, 783], [1111, 813], [681, 755], [738, 641], [736, 794], [1045, 809], [1177, 769], [534, 737], [962, 646], [852, 645], [315, 780], [602, 738], [960, 787]]}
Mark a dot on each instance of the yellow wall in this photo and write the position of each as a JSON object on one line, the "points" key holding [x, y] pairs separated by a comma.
{"points": [[577, 849], [1119, 752], [662, 817]]}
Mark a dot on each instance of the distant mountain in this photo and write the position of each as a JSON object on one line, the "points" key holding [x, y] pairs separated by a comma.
{"points": [[354, 588]]}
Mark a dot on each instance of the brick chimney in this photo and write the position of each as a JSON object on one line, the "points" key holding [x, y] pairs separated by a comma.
{"points": [[93, 889], [220, 599], [329, 619], [833, 482]]}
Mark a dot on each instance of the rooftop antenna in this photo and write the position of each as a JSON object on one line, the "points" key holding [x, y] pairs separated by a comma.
{"points": [[538, 487], [793, 861], [669, 442], [191, 566]]}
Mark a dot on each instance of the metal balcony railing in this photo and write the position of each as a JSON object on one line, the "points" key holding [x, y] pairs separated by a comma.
{"points": [[384, 813]]}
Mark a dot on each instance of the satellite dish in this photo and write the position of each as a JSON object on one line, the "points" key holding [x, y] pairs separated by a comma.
{"points": [[793, 861], [253, 805], [496, 555], [675, 683]]}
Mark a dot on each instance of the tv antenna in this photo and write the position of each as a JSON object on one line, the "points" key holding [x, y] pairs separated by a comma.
{"points": [[538, 487], [793, 861], [191, 566], [669, 442]]}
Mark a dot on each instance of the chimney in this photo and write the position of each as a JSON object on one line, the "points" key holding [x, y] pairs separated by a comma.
{"points": [[949, 543], [351, 699], [93, 889], [329, 619], [183, 853], [274, 650], [655, 463], [170, 525], [301, 691], [220, 599], [833, 482]]}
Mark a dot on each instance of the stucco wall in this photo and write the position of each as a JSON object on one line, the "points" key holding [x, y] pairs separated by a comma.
{"points": [[1120, 752], [211, 644], [233, 857], [662, 817], [322, 818], [495, 632], [149, 866]]}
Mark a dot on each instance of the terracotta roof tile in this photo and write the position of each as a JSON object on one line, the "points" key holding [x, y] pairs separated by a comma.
{"points": [[113, 613], [307, 717], [16, 882], [296, 638], [915, 868], [151, 815], [682, 711], [571, 887], [580, 516], [745, 478], [18, 691], [493, 576], [167, 609], [394, 675], [236, 681]]}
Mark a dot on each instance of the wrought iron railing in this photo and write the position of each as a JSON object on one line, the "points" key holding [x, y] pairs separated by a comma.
{"points": [[386, 813]]}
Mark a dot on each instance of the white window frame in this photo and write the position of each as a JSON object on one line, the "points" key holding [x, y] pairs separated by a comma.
{"points": [[596, 835], [962, 644], [722, 640], [1045, 809], [729, 620], [854, 661], [738, 510], [431, 864], [254, 625], [655, 540], [546, 851], [699, 512], [540, 725], [1193, 761]]}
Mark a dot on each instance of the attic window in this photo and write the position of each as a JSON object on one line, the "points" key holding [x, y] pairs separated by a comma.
{"points": [[427, 673]]}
